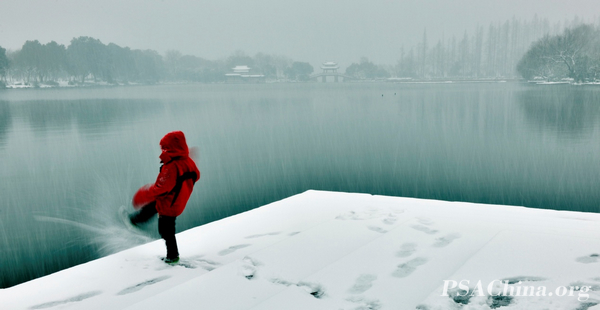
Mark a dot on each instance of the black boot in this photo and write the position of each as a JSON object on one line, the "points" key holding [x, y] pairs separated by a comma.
{"points": [[144, 214]]}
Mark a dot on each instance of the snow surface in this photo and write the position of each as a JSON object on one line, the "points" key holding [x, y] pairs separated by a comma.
{"points": [[325, 250]]}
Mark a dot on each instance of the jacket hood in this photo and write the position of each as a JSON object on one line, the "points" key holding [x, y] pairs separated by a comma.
{"points": [[173, 145]]}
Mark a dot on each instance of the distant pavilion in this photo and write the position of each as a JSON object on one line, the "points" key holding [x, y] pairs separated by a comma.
{"points": [[330, 67], [329, 74]]}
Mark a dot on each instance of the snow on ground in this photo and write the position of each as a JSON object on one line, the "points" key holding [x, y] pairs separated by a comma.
{"points": [[325, 250]]}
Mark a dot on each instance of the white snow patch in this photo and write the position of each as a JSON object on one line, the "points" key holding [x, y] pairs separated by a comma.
{"points": [[324, 250]]}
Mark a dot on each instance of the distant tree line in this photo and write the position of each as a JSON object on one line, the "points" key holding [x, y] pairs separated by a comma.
{"points": [[573, 54], [299, 71], [88, 59], [493, 52], [85, 58], [365, 69], [192, 68]]}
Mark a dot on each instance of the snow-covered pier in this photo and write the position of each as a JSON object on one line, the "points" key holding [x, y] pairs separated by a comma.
{"points": [[326, 250]]}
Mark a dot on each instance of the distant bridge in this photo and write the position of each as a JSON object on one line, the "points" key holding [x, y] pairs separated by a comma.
{"points": [[335, 77]]}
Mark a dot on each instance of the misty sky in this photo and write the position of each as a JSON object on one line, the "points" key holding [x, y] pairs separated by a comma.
{"points": [[308, 30]]}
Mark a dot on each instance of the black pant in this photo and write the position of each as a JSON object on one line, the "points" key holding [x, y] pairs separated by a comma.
{"points": [[166, 226]]}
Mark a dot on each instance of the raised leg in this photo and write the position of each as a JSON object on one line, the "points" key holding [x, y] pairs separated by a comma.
{"points": [[143, 215]]}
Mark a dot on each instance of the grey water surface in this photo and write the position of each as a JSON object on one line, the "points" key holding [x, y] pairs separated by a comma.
{"points": [[71, 158]]}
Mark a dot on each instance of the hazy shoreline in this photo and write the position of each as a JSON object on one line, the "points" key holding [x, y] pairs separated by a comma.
{"points": [[386, 81]]}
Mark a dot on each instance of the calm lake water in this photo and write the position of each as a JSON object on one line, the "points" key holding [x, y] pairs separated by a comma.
{"points": [[72, 157]]}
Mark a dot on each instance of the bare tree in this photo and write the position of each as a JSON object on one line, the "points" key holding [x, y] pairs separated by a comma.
{"points": [[570, 48]]}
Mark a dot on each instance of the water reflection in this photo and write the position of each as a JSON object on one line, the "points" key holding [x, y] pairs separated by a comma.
{"points": [[567, 111], [88, 115], [5, 121]]}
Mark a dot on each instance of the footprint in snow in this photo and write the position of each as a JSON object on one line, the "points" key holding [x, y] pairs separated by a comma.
{"points": [[377, 229], [592, 258], [139, 286], [250, 267], [262, 235], [425, 229], [425, 220], [192, 263], [364, 215], [362, 283], [198, 261], [587, 305], [406, 249], [187, 264], [281, 282], [233, 248], [578, 285], [315, 289], [445, 240], [515, 280], [365, 303], [390, 219], [350, 215], [68, 300], [409, 267]]}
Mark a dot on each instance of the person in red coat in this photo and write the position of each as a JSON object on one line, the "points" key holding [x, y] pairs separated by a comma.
{"points": [[169, 195]]}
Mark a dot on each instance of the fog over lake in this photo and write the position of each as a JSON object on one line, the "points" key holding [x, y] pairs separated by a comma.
{"points": [[481, 101], [312, 30]]}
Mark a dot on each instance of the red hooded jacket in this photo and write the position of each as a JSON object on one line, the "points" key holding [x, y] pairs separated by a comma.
{"points": [[176, 179]]}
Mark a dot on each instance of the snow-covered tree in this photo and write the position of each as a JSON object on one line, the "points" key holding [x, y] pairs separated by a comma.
{"points": [[574, 54]]}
